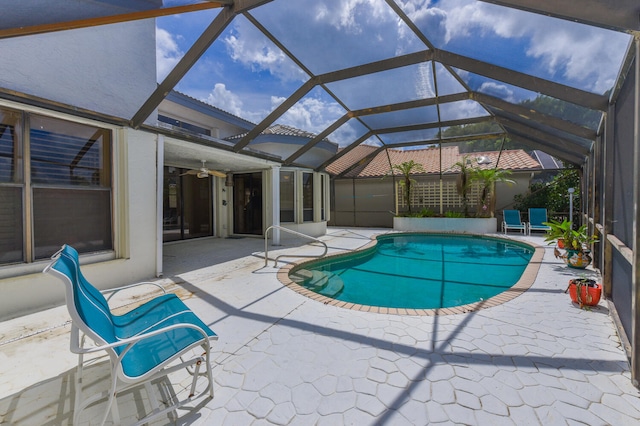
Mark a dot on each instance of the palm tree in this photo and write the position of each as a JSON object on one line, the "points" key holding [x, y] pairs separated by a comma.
{"points": [[487, 179], [463, 182], [406, 169]]}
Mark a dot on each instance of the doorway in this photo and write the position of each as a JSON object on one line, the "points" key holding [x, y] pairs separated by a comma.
{"points": [[247, 203], [187, 206]]}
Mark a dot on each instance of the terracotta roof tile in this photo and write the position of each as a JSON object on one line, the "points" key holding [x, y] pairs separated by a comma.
{"points": [[430, 159], [350, 158]]}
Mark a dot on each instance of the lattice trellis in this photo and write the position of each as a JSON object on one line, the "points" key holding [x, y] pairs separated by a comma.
{"points": [[427, 195]]}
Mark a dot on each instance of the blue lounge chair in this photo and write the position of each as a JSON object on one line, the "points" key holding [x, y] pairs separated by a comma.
{"points": [[537, 217], [511, 220], [149, 342]]}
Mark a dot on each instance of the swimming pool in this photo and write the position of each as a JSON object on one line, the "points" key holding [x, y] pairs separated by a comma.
{"points": [[419, 271]]}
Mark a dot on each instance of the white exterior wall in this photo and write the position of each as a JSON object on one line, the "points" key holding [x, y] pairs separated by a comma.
{"points": [[110, 69], [24, 289], [141, 205]]}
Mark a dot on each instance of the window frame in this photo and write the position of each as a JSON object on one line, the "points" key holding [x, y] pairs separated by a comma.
{"points": [[318, 194], [293, 193], [32, 189]]}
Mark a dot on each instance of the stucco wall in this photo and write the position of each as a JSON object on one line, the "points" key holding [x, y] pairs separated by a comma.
{"points": [[505, 192], [109, 69]]}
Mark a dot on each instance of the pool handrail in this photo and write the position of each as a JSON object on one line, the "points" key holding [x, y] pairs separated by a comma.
{"points": [[300, 234]]}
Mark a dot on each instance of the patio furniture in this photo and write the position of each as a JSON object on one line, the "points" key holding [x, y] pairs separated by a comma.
{"points": [[511, 220], [537, 217], [147, 343]]}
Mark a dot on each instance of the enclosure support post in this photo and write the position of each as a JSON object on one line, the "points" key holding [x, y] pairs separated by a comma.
{"points": [[441, 185], [607, 205], [635, 265]]}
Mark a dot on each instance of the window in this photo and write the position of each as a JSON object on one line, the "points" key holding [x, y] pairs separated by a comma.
{"points": [[11, 171], [307, 197], [55, 187], [191, 128], [287, 197], [303, 196]]}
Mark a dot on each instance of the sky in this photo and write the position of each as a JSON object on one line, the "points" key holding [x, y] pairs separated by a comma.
{"points": [[245, 74]]}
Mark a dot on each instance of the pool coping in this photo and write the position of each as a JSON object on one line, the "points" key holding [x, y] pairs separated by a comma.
{"points": [[523, 284]]}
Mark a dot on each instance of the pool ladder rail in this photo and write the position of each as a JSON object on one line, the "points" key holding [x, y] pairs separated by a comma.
{"points": [[299, 234]]}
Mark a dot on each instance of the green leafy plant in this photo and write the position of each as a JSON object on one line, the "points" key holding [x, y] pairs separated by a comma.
{"points": [[454, 214], [425, 212], [574, 239], [553, 194], [557, 231], [487, 179], [406, 169], [464, 181]]}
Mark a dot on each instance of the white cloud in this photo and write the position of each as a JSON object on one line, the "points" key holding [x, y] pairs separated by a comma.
{"points": [[167, 53], [585, 56], [462, 109], [226, 100], [424, 81], [499, 91], [310, 114], [350, 15], [251, 48]]}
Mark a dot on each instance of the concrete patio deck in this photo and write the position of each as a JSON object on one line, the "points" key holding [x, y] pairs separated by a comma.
{"points": [[285, 359]]}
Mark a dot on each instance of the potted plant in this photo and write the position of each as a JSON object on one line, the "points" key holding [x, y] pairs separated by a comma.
{"points": [[576, 243], [557, 232], [584, 291]]}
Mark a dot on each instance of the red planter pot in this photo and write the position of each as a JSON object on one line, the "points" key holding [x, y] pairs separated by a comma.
{"points": [[590, 292]]}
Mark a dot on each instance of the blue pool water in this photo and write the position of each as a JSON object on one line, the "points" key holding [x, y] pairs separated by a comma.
{"points": [[418, 271]]}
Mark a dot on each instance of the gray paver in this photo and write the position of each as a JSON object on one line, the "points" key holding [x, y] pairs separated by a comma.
{"points": [[370, 404], [491, 404], [285, 359]]}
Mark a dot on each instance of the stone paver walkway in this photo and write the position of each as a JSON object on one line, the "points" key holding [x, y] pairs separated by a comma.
{"points": [[285, 359]]}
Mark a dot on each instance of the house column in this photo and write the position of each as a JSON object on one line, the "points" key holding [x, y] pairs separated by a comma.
{"points": [[159, 202], [275, 203]]}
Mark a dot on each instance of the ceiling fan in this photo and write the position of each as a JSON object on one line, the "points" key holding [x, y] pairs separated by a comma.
{"points": [[203, 172]]}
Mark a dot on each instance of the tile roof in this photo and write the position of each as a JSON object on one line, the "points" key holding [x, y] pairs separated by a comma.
{"points": [[280, 129], [350, 158], [430, 158]]}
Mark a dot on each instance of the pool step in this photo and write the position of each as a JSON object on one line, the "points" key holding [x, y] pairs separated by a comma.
{"points": [[326, 283], [301, 276], [334, 286]]}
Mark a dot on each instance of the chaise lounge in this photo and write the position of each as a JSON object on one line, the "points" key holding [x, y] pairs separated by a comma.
{"points": [[537, 218], [511, 220]]}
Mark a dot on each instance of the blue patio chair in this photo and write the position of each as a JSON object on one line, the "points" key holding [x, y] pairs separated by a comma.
{"points": [[537, 217], [151, 341], [511, 220]]}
